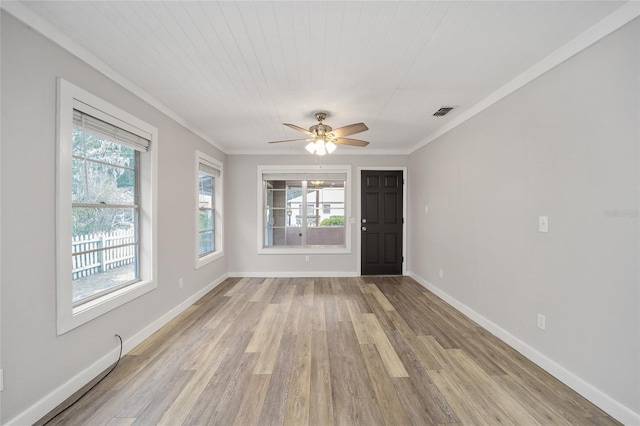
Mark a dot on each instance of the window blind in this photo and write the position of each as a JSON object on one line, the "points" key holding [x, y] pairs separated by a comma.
{"points": [[305, 176], [102, 128], [211, 171]]}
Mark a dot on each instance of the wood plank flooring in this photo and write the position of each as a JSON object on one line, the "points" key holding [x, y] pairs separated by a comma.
{"points": [[327, 351]]}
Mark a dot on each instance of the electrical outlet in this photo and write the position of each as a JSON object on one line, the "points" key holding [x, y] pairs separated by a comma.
{"points": [[426, 209], [441, 273], [306, 259], [543, 223], [180, 283], [542, 322]]}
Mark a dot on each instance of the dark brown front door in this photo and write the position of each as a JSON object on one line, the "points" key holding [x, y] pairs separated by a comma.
{"points": [[381, 222]]}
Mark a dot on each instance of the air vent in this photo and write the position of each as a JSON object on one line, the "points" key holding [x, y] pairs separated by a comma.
{"points": [[442, 111]]}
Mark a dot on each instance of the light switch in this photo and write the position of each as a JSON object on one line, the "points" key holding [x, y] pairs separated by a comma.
{"points": [[543, 223], [426, 209]]}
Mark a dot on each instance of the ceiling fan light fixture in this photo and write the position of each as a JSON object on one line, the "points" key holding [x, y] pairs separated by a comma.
{"points": [[320, 150], [330, 146], [311, 147]]}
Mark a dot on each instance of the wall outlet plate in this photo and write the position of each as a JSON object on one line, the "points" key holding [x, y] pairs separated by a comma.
{"points": [[543, 223], [542, 322]]}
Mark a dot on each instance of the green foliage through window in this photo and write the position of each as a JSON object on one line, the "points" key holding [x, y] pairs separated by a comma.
{"points": [[333, 221]]}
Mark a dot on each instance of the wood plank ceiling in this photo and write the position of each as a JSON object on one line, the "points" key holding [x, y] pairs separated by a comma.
{"points": [[236, 70]]}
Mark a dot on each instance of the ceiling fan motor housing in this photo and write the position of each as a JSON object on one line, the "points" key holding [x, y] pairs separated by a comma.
{"points": [[320, 129]]}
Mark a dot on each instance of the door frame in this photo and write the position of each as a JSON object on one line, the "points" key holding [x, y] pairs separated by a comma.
{"points": [[403, 169]]}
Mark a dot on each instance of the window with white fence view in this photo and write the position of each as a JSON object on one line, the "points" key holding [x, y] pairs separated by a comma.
{"points": [[105, 174], [299, 212]]}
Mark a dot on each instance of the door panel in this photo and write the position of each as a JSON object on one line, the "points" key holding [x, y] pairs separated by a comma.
{"points": [[372, 245], [390, 248], [372, 202], [382, 219], [393, 181], [390, 208]]}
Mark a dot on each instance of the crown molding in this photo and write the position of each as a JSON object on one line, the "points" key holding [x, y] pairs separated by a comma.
{"points": [[614, 21]]}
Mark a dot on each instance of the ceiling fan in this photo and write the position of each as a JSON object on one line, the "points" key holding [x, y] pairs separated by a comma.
{"points": [[323, 139]]}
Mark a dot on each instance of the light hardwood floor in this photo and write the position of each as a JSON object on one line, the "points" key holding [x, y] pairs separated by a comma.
{"points": [[322, 351]]}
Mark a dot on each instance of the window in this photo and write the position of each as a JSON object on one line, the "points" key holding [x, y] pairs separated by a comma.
{"points": [[303, 210], [208, 209], [104, 218], [105, 223]]}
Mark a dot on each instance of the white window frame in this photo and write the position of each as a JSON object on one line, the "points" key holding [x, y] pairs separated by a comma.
{"points": [[218, 221], [319, 170], [71, 97]]}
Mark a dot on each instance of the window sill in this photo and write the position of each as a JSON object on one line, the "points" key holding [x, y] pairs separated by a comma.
{"points": [[100, 306], [202, 261], [304, 250]]}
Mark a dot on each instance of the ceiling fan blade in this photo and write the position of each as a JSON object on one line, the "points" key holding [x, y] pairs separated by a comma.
{"points": [[291, 140], [352, 142], [351, 129], [298, 128]]}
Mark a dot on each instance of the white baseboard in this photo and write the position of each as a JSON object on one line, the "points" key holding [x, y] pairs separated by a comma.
{"points": [[300, 274], [58, 395], [612, 407]]}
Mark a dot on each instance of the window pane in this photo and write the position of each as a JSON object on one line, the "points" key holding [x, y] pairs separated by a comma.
{"points": [[294, 192], [94, 220], [77, 146], [276, 198], [206, 242], [205, 188], [112, 153], [109, 184], [100, 183], [336, 219], [102, 261], [102, 149], [206, 220], [277, 217], [78, 181], [326, 236]]}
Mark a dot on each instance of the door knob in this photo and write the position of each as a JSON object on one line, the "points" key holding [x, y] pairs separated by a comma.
{"points": [[364, 220], [364, 229]]}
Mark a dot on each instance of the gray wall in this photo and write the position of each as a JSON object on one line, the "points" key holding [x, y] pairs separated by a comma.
{"points": [[35, 360], [241, 216], [566, 146]]}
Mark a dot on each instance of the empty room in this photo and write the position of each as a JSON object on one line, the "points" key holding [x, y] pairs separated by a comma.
{"points": [[320, 212]]}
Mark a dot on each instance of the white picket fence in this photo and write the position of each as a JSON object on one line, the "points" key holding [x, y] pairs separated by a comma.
{"points": [[100, 258]]}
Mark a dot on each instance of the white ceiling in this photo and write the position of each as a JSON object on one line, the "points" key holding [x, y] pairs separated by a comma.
{"points": [[236, 70]]}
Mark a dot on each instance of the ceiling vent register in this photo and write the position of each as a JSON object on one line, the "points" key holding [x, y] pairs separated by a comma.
{"points": [[442, 111]]}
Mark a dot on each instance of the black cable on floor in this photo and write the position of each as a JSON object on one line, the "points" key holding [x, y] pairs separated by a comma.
{"points": [[96, 384]]}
